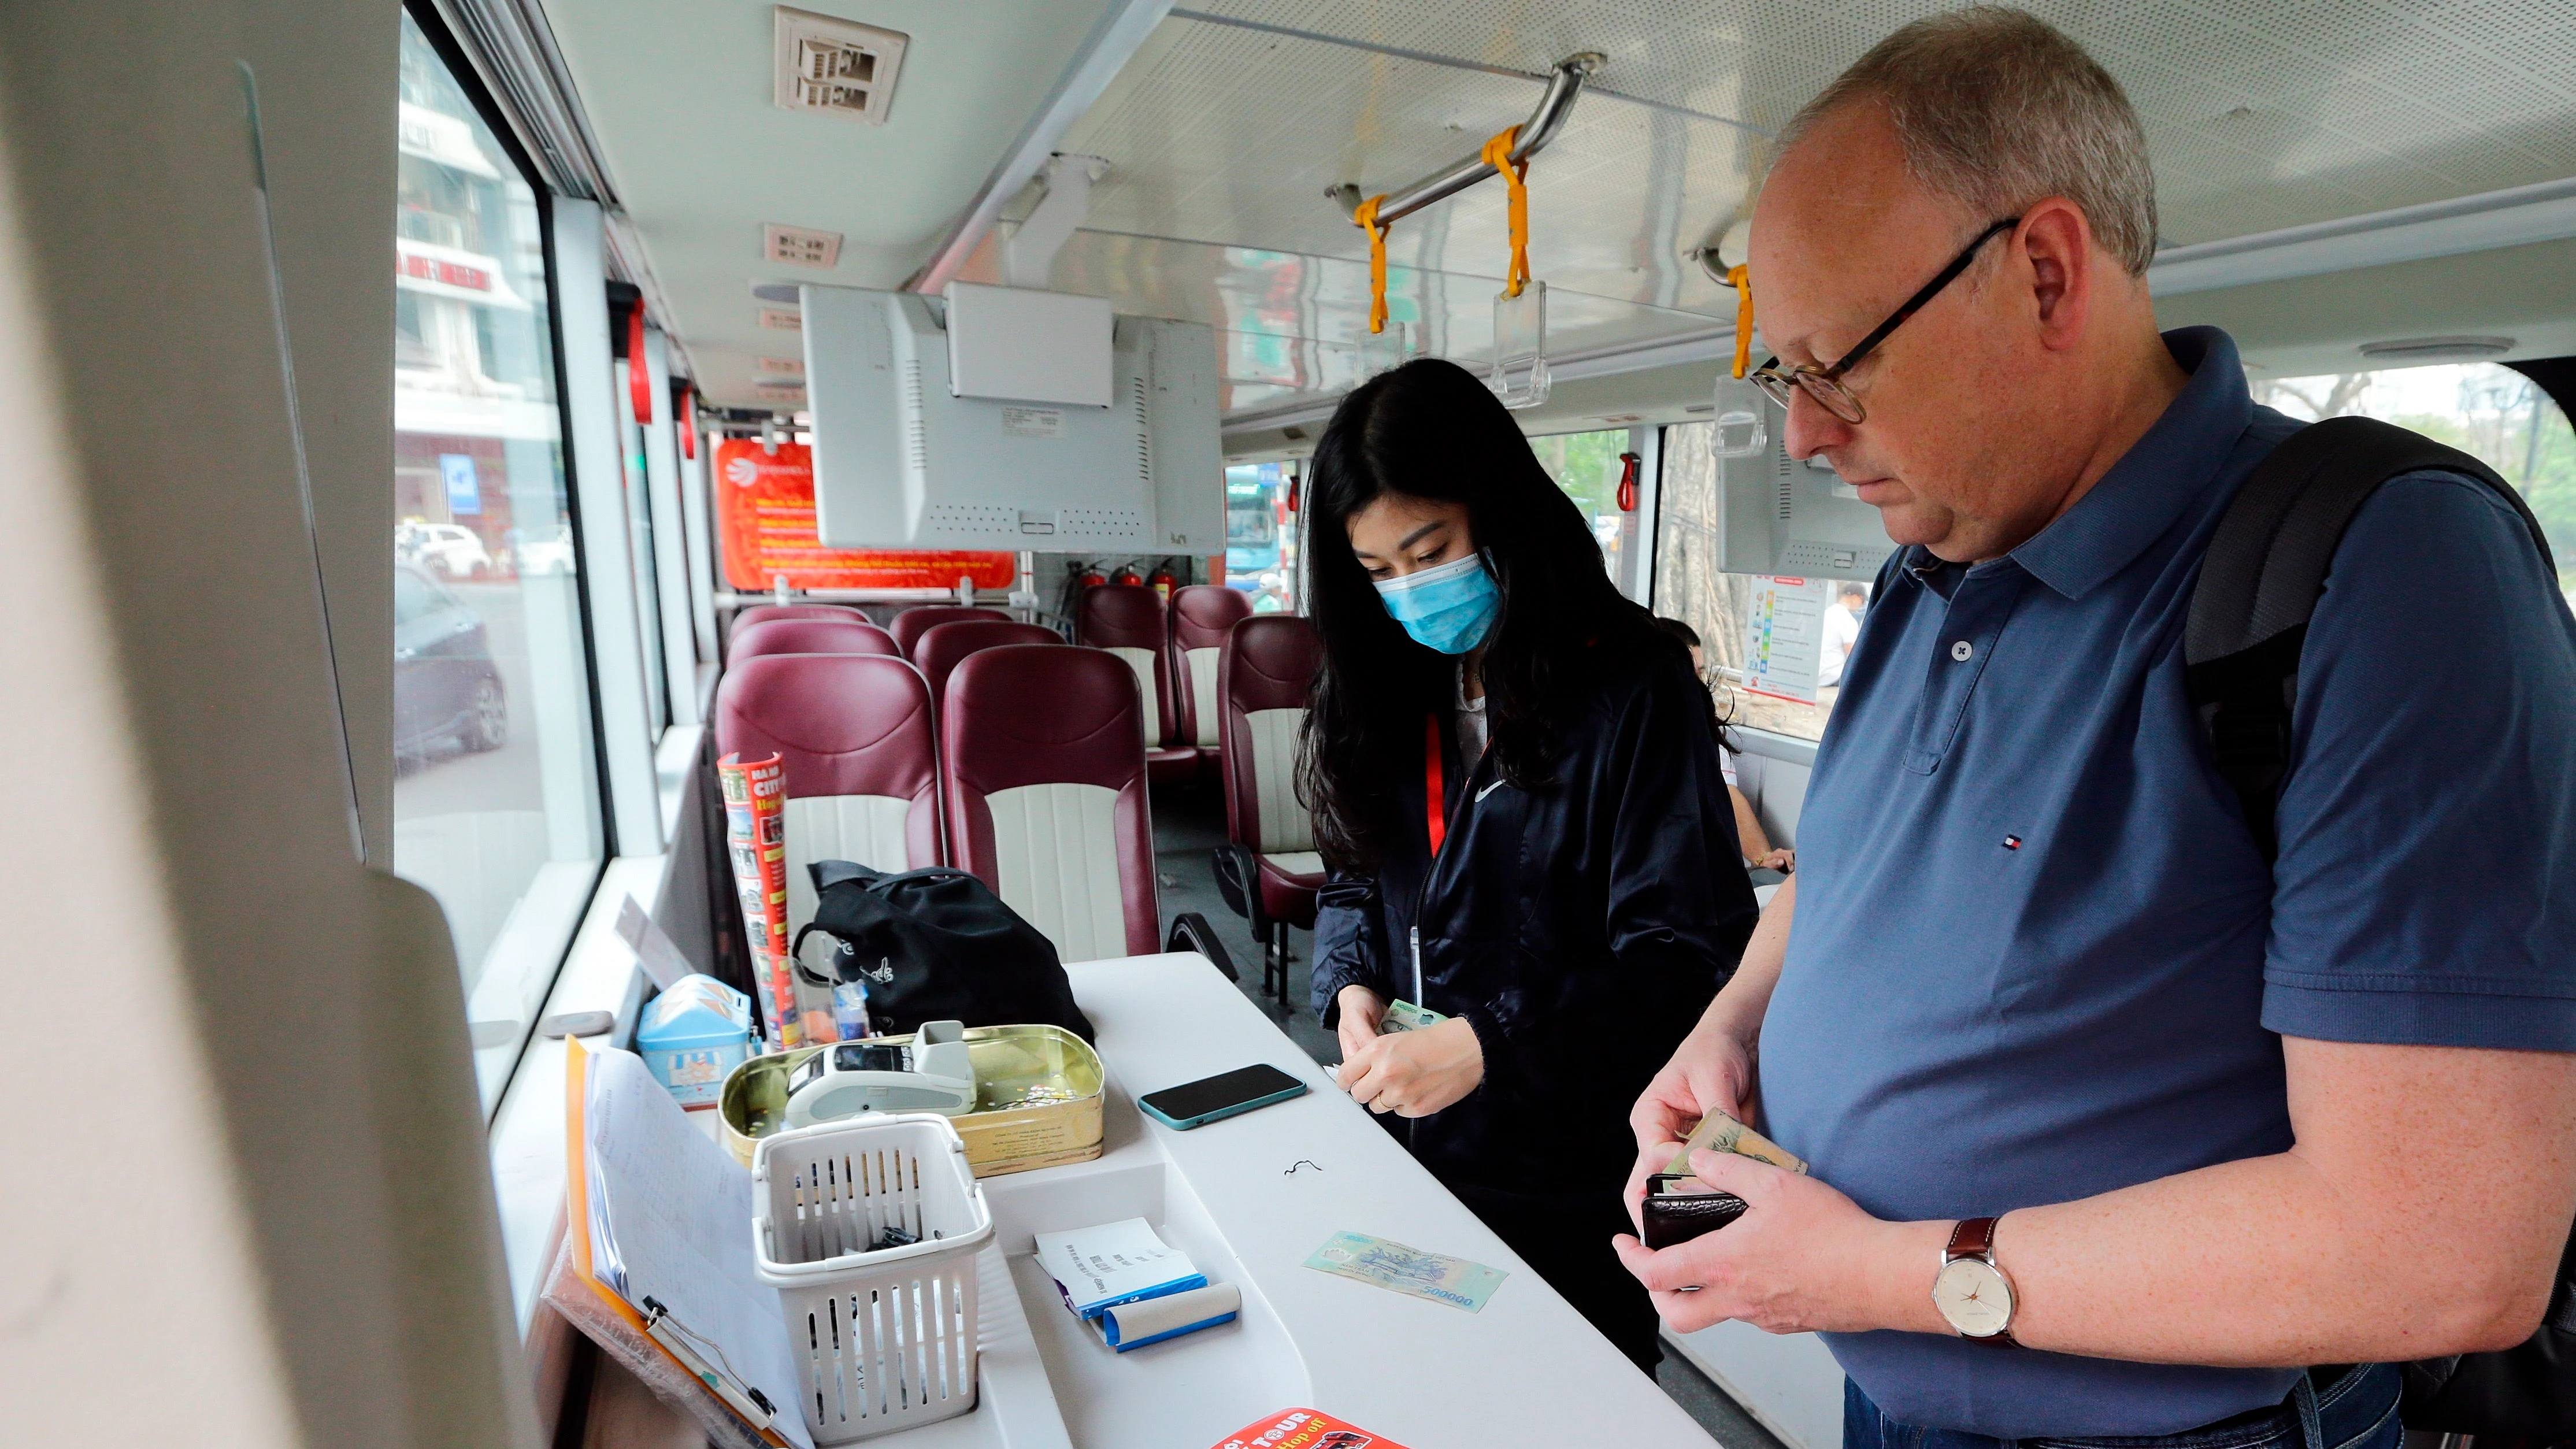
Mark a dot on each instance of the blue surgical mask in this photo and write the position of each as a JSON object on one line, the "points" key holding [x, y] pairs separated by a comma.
{"points": [[1448, 608]]}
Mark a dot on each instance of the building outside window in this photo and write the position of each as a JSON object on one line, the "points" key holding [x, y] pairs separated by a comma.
{"points": [[496, 797], [1261, 535]]}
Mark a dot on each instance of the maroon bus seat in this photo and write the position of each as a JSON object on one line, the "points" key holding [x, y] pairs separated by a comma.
{"points": [[1202, 614], [1043, 765], [854, 734], [1127, 621], [939, 650], [763, 613], [810, 636], [1268, 667], [920, 619]]}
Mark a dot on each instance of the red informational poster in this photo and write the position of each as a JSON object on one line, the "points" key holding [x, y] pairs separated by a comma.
{"points": [[1304, 1429], [765, 517]]}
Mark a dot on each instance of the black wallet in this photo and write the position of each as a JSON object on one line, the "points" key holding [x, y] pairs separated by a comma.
{"points": [[1677, 1217]]}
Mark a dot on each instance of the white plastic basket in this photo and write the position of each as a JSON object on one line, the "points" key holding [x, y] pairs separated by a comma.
{"points": [[884, 1336]]}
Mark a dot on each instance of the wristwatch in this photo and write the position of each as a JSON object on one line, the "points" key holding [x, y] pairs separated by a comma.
{"points": [[1971, 1290]]}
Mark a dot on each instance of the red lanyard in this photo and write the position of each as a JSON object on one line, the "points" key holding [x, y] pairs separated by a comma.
{"points": [[1433, 805]]}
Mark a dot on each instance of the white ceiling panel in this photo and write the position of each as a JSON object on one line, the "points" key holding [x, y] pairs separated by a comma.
{"points": [[679, 93], [1224, 132]]}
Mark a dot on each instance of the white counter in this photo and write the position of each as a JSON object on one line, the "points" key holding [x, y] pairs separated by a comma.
{"points": [[1249, 1199]]}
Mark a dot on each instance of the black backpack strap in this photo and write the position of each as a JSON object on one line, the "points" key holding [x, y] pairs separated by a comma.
{"points": [[2259, 582]]}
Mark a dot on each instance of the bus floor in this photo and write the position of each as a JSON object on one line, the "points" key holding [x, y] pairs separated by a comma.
{"points": [[1189, 824]]}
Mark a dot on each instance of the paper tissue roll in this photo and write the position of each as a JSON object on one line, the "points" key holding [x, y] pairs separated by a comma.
{"points": [[1132, 1325]]}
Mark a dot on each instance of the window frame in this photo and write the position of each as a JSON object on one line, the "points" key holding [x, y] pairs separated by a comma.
{"points": [[547, 929]]}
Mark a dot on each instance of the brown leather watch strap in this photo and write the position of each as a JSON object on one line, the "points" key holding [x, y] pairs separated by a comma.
{"points": [[1975, 1238], [1972, 1238]]}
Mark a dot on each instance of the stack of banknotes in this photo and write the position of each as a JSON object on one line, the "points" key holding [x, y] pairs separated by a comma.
{"points": [[1718, 1132], [1405, 1016]]}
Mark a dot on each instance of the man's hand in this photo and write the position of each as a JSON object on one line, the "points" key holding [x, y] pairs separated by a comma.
{"points": [[1803, 1257], [1362, 1009], [1712, 1071], [1413, 1073]]}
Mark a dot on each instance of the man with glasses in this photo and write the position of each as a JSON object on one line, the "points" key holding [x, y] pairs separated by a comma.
{"points": [[2115, 1132]]}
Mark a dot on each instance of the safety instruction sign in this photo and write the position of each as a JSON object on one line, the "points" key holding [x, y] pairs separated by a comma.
{"points": [[1784, 638], [764, 505]]}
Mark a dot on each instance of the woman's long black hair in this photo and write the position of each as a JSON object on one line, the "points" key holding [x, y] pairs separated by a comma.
{"points": [[1430, 429]]}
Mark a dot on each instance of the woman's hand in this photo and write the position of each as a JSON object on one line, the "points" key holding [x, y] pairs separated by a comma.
{"points": [[1362, 1009], [1783, 860], [1413, 1073]]}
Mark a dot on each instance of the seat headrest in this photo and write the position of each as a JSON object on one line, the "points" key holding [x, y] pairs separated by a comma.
{"points": [[1035, 714], [1202, 613], [847, 724], [920, 619], [763, 613], [944, 646], [1271, 661], [810, 636], [1122, 616]]}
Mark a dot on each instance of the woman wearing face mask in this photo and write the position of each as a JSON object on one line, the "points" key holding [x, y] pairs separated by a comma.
{"points": [[1516, 786]]}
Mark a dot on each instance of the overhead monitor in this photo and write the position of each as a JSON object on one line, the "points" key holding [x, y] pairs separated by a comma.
{"points": [[903, 460], [1784, 516]]}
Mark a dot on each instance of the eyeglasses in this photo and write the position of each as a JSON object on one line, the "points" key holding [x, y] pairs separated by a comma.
{"points": [[1824, 384]]}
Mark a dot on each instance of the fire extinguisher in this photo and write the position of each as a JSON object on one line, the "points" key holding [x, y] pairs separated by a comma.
{"points": [[1628, 464], [1092, 579], [1163, 583], [1129, 576]]}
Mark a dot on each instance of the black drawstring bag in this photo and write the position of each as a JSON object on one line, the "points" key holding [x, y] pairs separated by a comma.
{"points": [[936, 945]]}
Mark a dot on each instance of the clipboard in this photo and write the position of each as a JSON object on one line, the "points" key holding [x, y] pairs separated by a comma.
{"points": [[657, 1334]]}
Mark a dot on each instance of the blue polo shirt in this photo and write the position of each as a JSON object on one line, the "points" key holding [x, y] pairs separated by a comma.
{"points": [[2037, 956]]}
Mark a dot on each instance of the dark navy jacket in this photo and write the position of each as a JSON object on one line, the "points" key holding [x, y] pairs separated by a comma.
{"points": [[1580, 929]]}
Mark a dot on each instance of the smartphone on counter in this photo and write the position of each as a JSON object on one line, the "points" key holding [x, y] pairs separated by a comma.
{"points": [[1227, 1094]]}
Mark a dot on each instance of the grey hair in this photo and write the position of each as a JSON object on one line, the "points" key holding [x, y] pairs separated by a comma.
{"points": [[1996, 108]]}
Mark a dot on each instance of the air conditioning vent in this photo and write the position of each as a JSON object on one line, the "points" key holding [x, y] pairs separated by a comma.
{"points": [[779, 319], [799, 246], [1144, 436], [835, 67], [1788, 484], [916, 432]]}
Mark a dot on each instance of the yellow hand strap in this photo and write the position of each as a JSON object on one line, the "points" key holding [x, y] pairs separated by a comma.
{"points": [[1366, 217], [1498, 154], [1741, 280]]}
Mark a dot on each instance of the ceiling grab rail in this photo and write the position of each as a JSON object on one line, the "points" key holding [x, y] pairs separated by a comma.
{"points": [[1520, 371], [1564, 82]]}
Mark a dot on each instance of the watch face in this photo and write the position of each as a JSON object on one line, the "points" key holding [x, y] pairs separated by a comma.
{"points": [[1974, 1296]]}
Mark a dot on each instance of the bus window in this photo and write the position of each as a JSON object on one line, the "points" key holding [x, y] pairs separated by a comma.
{"points": [[1260, 542], [2484, 409], [496, 806], [1586, 466], [1743, 622]]}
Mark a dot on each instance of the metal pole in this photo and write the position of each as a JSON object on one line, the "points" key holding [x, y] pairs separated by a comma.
{"points": [[1564, 83]]}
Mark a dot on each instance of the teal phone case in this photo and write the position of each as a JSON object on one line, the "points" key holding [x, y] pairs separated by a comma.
{"points": [[1184, 1124]]}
